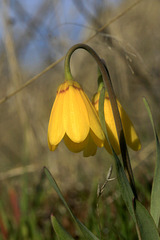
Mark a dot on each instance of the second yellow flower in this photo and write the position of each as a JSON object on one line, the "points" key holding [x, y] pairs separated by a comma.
{"points": [[130, 134]]}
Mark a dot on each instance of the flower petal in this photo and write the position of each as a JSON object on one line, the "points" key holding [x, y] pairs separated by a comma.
{"points": [[90, 148], [51, 147], [75, 117], [55, 126], [111, 127], [93, 119], [132, 139], [74, 147]]}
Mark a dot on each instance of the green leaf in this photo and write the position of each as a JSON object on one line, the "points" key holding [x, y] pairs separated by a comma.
{"points": [[85, 231], [59, 230], [155, 194], [125, 188], [146, 224]]}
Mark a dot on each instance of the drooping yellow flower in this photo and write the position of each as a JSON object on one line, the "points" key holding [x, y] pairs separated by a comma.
{"points": [[74, 119], [131, 137]]}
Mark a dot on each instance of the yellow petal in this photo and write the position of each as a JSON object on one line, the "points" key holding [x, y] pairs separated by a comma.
{"points": [[55, 126], [51, 147], [111, 127], [132, 139], [74, 147], [93, 120], [110, 124], [75, 117], [90, 148]]}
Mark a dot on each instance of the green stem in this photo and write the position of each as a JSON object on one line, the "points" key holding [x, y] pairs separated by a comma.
{"points": [[112, 97], [67, 70]]}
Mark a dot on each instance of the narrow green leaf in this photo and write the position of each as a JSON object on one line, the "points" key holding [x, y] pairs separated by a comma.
{"points": [[125, 188], [146, 224], [59, 230], [155, 194], [85, 231], [58, 191]]}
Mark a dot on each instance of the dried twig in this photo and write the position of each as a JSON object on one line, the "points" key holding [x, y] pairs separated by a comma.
{"points": [[108, 179]]}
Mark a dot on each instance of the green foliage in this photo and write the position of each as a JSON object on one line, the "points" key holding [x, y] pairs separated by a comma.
{"points": [[112, 221], [146, 225], [146, 228], [85, 231], [155, 195], [60, 231]]}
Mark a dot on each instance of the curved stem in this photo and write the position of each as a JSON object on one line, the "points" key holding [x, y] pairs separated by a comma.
{"points": [[112, 97]]}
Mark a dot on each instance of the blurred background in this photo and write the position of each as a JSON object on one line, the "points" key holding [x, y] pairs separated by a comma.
{"points": [[35, 34]]}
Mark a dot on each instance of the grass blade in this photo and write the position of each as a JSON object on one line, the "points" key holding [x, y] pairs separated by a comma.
{"points": [[155, 194], [85, 231], [145, 222], [59, 230], [125, 188]]}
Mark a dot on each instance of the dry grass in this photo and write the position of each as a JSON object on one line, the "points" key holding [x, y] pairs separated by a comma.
{"points": [[127, 37]]}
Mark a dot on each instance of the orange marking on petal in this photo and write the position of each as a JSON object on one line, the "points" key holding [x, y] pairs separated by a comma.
{"points": [[69, 85]]}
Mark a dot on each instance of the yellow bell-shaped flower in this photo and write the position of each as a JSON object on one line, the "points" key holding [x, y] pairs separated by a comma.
{"points": [[74, 119], [130, 134]]}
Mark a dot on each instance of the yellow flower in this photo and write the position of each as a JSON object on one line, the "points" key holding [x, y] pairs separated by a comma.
{"points": [[131, 137], [74, 119]]}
